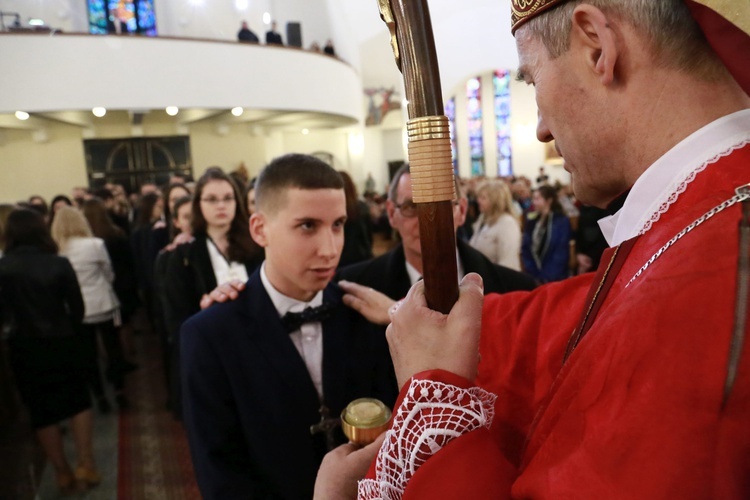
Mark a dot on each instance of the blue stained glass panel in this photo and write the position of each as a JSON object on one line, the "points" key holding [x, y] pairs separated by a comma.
{"points": [[474, 109], [501, 86]]}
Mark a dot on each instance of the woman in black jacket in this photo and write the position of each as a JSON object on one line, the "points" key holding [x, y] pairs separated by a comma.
{"points": [[42, 310], [222, 250]]}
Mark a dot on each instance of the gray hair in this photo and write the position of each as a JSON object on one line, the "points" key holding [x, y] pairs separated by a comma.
{"points": [[676, 39]]}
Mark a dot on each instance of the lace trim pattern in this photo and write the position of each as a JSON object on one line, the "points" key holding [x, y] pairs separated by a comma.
{"points": [[682, 186], [431, 415]]}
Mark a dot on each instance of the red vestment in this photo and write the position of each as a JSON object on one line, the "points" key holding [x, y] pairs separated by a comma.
{"points": [[636, 410]]}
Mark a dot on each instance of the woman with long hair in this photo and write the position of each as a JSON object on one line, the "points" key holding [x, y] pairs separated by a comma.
{"points": [[222, 250], [149, 210], [358, 228], [42, 308], [497, 231], [546, 241], [92, 265], [123, 265]]}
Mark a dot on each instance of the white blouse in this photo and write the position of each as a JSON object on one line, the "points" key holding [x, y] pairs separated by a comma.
{"points": [[224, 270], [499, 242]]}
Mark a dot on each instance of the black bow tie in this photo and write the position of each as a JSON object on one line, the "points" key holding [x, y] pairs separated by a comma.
{"points": [[293, 321]]}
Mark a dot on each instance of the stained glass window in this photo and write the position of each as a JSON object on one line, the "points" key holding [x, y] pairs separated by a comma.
{"points": [[450, 112], [97, 17], [476, 141], [501, 84], [130, 16]]}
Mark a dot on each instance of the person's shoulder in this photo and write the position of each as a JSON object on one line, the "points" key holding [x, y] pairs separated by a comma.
{"points": [[219, 319], [513, 280], [496, 278], [372, 268]]}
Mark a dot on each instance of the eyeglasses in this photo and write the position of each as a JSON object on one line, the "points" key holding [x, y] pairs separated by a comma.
{"points": [[212, 200], [408, 208]]}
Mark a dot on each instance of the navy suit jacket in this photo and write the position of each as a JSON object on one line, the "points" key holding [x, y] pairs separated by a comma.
{"points": [[249, 401], [387, 274]]}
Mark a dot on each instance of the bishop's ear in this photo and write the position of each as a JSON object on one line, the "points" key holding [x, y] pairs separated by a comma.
{"points": [[592, 33], [258, 229]]}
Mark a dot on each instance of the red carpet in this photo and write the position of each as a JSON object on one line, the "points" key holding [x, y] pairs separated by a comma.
{"points": [[154, 460]]}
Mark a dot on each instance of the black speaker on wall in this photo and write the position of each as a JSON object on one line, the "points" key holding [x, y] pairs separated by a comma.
{"points": [[294, 34]]}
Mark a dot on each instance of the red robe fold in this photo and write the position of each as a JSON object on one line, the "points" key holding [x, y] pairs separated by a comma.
{"points": [[636, 411]]}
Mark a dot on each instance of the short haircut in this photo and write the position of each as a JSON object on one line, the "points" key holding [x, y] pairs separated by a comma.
{"points": [[676, 39], [292, 171], [406, 169]]}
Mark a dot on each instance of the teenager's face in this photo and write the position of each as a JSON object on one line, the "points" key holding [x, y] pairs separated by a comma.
{"points": [[183, 218], [303, 240], [218, 204]]}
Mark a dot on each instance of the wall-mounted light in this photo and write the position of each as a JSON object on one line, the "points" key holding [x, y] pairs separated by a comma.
{"points": [[172, 110], [99, 111], [36, 22], [22, 115], [237, 111], [266, 18], [241, 4]]}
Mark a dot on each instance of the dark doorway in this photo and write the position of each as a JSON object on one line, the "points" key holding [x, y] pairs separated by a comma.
{"points": [[135, 161]]}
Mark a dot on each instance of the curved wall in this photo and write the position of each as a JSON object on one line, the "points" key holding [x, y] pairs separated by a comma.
{"points": [[77, 71]]}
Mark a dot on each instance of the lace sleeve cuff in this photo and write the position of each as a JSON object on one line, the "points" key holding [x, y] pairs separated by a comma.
{"points": [[431, 415]]}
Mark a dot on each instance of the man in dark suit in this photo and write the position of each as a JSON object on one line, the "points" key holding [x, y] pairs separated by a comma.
{"points": [[397, 270], [255, 379], [394, 272], [273, 37]]}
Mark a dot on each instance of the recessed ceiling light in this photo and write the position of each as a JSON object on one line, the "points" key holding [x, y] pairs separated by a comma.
{"points": [[172, 110], [22, 115], [99, 111], [305, 131], [241, 4], [237, 111]]}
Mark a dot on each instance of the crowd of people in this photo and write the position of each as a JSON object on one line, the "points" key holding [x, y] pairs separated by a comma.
{"points": [[273, 37], [103, 253]]}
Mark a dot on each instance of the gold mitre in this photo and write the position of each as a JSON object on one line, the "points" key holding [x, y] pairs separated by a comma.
{"points": [[523, 10], [725, 23]]}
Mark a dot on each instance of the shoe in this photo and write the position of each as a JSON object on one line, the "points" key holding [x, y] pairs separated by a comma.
{"points": [[103, 406], [66, 483], [87, 478]]}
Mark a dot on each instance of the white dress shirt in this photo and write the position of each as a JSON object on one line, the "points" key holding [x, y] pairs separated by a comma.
{"points": [[309, 338], [224, 271], [660, 185], [414, 275]]}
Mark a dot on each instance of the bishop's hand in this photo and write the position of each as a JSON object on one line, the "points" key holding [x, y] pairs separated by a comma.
{"points": [[422, 339], [342, 468]]}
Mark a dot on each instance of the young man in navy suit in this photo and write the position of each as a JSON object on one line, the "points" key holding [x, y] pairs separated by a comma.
{"points": [[255, 378]]}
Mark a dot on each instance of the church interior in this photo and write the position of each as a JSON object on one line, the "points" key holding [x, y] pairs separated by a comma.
{"points": [[87, 98]]}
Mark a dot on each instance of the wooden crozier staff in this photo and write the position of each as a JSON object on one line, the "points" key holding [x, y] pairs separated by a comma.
{"points": [[433, 189], [429, 147]]}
